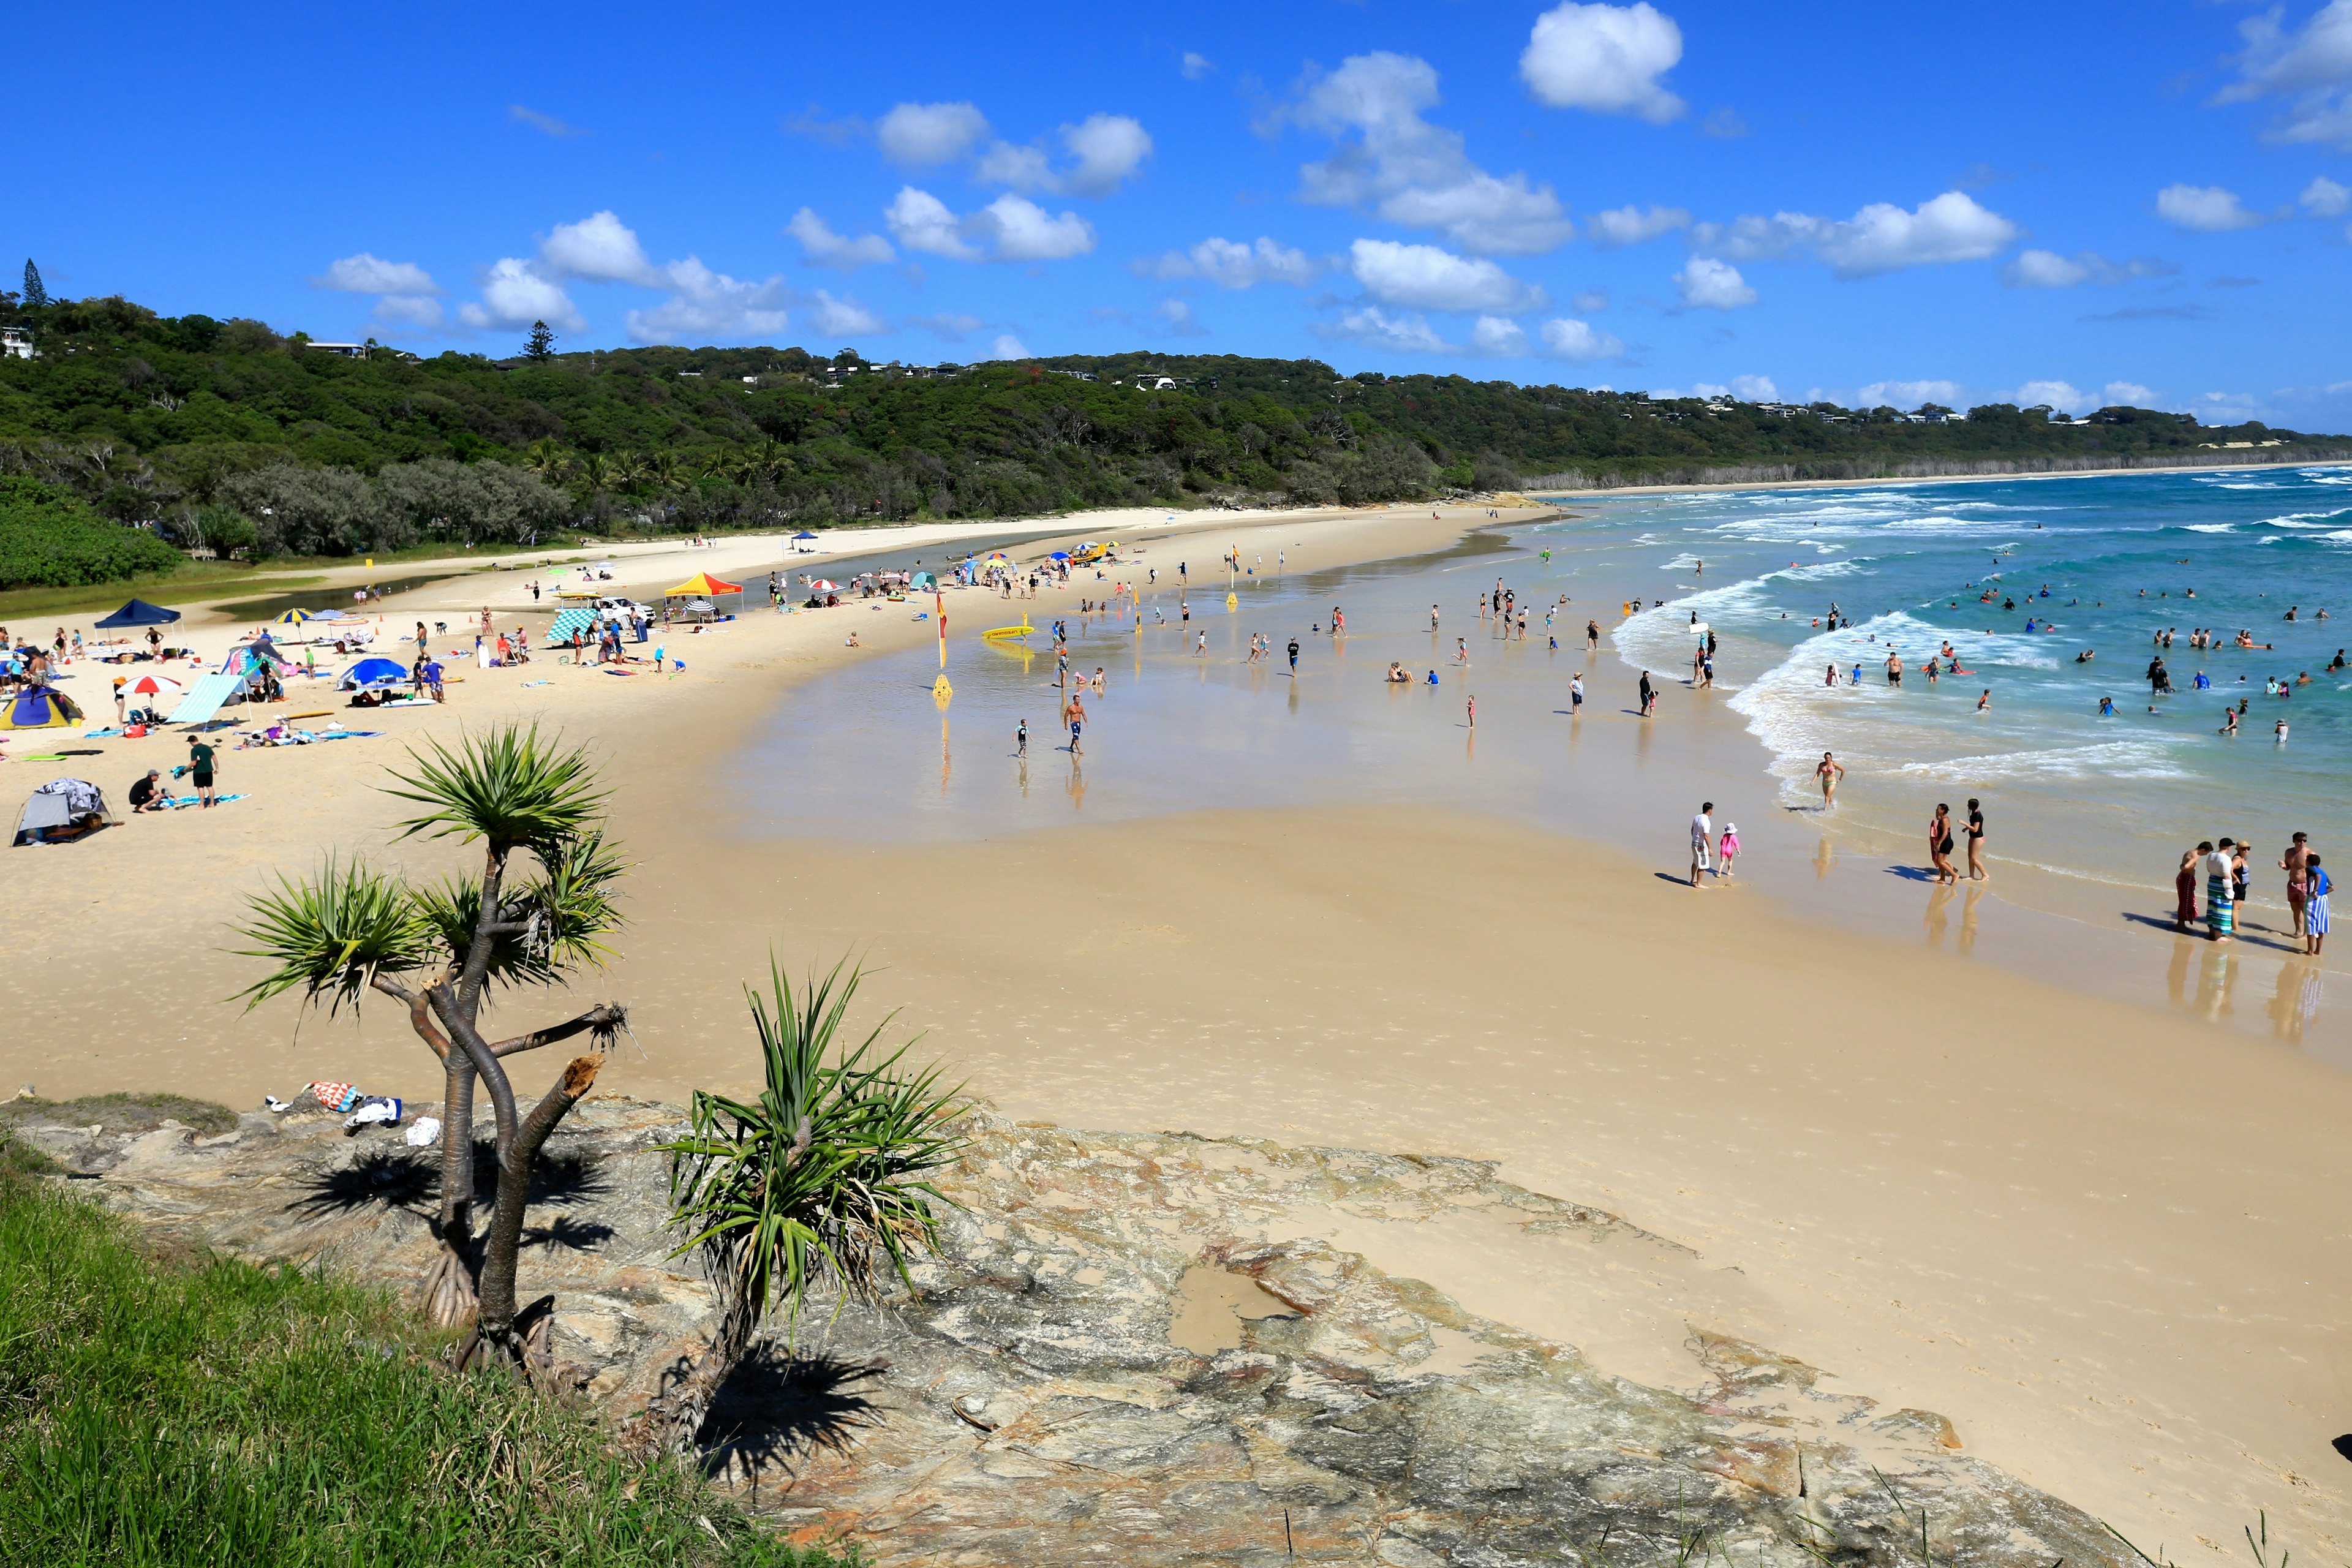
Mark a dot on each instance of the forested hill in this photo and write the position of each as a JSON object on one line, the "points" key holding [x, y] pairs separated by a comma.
{"points": [[282, 445]]}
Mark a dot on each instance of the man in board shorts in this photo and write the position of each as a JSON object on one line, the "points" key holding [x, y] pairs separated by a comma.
{"points": [[200, 769]]}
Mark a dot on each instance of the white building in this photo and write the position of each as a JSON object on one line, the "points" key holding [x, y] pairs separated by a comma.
{"points": [[16, 340]]}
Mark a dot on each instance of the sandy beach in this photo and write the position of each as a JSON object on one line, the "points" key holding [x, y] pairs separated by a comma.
{"points": [[2105, 1239]]}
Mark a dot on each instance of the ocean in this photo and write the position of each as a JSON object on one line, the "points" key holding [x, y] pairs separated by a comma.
{"points": [[2102, 564]]}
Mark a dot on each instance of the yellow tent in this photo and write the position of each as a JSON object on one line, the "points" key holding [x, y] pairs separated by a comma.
{"points": [[703, 585]]}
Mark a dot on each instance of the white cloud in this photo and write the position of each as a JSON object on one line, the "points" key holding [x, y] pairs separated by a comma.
{"points": [[1606, 58], [844, 318], [2205, 209], [922, 135], [515, 293], [824, 248], [599, 248], [948, 326], [1195, 66], [2127, 394], [408, 310], [1580, 340], [1881, 238], [1409, 171], [1498, 335], [1632, 226], [1180, 319], [1023, 168], [1234, 264], [1023, 231], [1007, 346], [920, 221], [1432, 280], [1589, 302], [1108, 148], [1706, 284], [1404, 334], [546, 122], [2324, 198], [705, 304], [2048, 269], [366, 274], [1909, 394], [2311, 70], [2058, 395], [1754, 389]]}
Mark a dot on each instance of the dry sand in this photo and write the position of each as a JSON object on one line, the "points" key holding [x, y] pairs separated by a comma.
{"points": [[2107, 1242]]}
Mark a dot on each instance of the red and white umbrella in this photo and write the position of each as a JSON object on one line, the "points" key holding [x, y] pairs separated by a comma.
{"points": [[154, 684], [822, 586]]}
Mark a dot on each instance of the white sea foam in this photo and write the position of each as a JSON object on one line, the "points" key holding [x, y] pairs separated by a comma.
{"points": [[2211, 527], [2133, 759]]}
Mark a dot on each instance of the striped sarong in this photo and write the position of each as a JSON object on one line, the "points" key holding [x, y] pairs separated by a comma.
{"points": [[2220, 908]]}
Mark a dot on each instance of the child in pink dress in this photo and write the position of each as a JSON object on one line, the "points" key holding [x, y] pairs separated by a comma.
{"points": [[1726, 848]]}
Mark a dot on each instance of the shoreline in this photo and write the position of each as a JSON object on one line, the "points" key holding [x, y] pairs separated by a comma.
{"points": [[1695, 487]]}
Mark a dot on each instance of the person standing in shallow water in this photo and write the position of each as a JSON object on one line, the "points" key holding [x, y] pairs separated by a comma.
{"points": [[2184, 891], [1976, 872], [1829, 773], [1939, 845], [2221, 905], [2295, 863]]}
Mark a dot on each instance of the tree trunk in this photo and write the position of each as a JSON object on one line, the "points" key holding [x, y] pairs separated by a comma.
{"points": [[495, 1323], [672, 1420], [450, 1291]]}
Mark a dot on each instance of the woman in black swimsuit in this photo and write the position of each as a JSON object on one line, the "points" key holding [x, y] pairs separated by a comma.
{"points": [[1939, 844]]}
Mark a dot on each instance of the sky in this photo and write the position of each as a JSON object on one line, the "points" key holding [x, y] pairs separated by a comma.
{"points": [[2146, 201]]}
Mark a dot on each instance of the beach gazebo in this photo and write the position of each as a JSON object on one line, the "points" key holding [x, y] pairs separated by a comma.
{"points": [[139, 613], [725, 598], [803, 541]]}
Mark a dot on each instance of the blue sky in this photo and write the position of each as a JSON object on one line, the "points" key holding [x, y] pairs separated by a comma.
{"points": [[2147, 201]]}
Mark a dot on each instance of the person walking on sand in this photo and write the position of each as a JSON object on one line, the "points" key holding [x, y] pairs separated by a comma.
{"points": [[1575, 696], [1021, 740], [1939, 844], [1294, 658], [2220, 906], [1649, 695], [1726, 850], [1592, 636], [1433, 618], [200, 769], [1976, 872], [2184, 891], [1472, 710], [2294, 863], [1829, 773], [1702, 835], [2314, 908]]}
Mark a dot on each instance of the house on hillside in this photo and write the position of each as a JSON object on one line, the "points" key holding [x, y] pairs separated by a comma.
{"points": [[16, 341]]}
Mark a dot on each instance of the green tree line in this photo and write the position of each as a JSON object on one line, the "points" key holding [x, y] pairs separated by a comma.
{"points": [[228, 434]]}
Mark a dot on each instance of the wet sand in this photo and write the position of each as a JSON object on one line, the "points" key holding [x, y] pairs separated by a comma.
{"points": [[2106, 1241]]}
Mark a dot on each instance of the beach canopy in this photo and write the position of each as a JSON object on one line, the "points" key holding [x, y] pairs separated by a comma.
{"points": [[558, 635], [205, 697], [369, 673], [703, 585], [140, 613], [60, 803], [804, 533], [40, 708]]}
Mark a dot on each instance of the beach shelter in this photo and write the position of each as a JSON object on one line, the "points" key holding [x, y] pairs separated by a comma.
{"points": [[75, 804], [559, 634], [803, 535], [368, 674], [205, 697], [40, 708], [140, 613], [703, 585], [924, 583], [294, 618]]}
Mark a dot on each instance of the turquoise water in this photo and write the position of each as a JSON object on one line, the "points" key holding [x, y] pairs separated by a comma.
{"points": [[2103, 563]]}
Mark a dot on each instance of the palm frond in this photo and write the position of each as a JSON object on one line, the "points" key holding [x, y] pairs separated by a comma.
{"points": [[830, 1171], [333, 934], [511, 786]]}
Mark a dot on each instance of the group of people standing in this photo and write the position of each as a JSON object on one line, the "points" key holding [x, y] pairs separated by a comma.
{"points": [[2227, 876]]}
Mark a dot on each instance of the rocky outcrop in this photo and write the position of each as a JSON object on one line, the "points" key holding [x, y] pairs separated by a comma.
{"points": [[1136, 1349]]}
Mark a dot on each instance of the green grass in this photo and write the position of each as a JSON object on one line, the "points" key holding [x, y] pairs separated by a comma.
{"points": [[197, 580], [158, 1412]]}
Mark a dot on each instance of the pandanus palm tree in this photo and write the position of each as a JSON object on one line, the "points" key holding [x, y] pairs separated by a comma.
{"points": [[537, 913], [822, 1180], [547, 459]]}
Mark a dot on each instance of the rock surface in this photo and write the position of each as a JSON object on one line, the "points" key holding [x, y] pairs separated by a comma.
{"points": [[1135, 1350]]}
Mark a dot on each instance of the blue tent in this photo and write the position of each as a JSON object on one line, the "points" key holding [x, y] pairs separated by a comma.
{"points": [[140, 613], [369, 673]]}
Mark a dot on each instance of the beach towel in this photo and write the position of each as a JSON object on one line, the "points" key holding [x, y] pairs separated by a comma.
{"points": [[333, 1096], [180, 802], [2220, 907]]}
